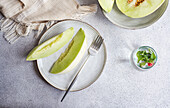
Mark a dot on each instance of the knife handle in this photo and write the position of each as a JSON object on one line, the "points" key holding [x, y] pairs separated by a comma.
{"points": [[75, 78]]}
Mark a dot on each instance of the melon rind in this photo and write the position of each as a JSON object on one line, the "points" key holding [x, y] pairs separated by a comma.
{"points": [[72, 55], [106, 5], [50, 46]]}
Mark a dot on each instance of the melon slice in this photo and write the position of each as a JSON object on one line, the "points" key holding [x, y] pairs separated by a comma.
{"points": [[51, 45], [138, 8], [72, 55], [106, 5]]}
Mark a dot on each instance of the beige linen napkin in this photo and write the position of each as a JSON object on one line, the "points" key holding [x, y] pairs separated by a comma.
{"points": [[23, 16]]}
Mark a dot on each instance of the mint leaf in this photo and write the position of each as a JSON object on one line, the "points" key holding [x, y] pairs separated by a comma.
{"points": [[139, 53], [146, 58], [150, 61], [150, 51], [144, 53], [142, 64], [140, 58], [153, 56]]}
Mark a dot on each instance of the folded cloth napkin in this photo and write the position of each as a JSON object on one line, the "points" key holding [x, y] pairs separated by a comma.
{"points": [[23, 16]]}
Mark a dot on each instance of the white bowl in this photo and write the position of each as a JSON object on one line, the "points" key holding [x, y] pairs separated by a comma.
{"points": [[121, 20]]}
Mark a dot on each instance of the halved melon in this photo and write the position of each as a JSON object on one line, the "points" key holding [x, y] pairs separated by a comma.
{"points": [[72, 55], [106, 5], [51, 45], [138, 8]]}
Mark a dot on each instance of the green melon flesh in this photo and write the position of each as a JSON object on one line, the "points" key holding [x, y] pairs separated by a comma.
{"points": [[51, 45], [72, 55], [143, 9], [106, 5]]}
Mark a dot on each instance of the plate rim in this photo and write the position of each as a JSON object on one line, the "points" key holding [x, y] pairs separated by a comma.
{"points": [[104, 56], [135, 28]]}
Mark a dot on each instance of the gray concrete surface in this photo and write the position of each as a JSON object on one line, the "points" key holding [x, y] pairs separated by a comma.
{"points": [[119, 86]]}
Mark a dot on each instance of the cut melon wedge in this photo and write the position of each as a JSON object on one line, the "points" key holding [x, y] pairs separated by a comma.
{"points": [[106, 5], [51, 45], [72, 55], [138, 8]]}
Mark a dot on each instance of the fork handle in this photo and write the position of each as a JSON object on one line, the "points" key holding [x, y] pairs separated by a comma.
{"points": [[75, 78]]}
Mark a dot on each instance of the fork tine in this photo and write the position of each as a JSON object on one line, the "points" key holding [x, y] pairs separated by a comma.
{"points": [[93, 45], [96, 42], [99, 43], [97, 39]]}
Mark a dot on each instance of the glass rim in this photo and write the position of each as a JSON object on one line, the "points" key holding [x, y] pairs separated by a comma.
{"points": [[135, 55]]}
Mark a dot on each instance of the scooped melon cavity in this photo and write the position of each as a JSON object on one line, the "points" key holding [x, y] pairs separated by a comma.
{"points": [[46, 47], [72, 55], [51, 45], [66, 52], [138, 8]]}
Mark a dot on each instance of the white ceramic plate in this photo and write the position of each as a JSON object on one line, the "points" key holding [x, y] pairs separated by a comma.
{"points": [[91, 70], [121, 20]]}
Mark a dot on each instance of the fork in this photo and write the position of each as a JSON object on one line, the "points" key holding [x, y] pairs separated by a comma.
{"points": [[93, 50]]}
